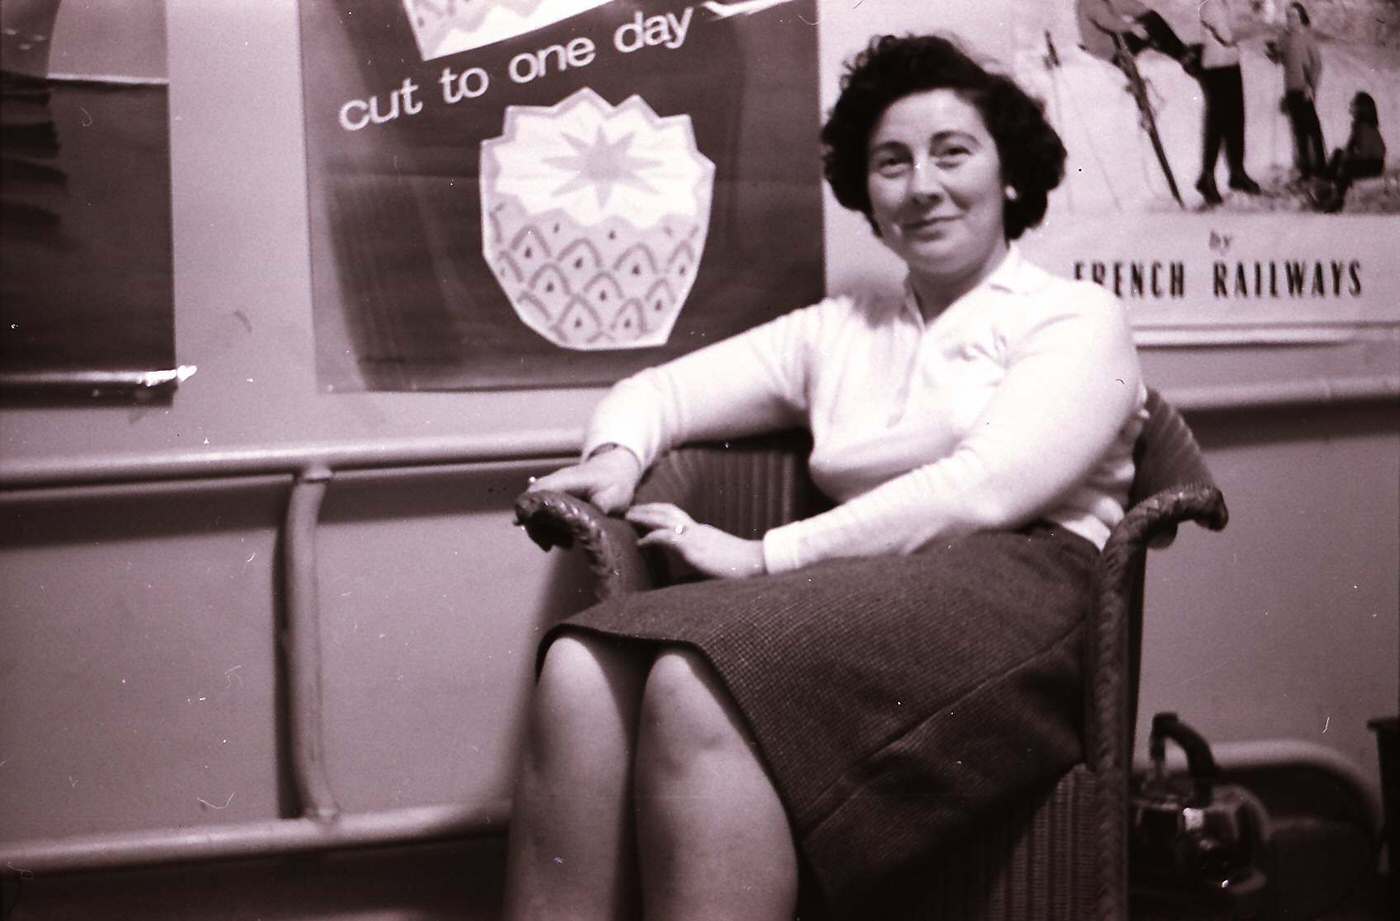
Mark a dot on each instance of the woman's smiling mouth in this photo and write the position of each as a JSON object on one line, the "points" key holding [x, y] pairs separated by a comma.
{"points": [[928, 226]]}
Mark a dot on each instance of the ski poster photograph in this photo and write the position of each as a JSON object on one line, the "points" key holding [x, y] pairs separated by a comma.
{"points": [[1233, 171], [542, 193]]}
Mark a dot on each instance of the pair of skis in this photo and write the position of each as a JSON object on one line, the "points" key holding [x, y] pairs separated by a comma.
{"points": [[1137, 87]]}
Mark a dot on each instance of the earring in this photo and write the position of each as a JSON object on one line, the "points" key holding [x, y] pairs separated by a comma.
{"points": [[1011, 193]]}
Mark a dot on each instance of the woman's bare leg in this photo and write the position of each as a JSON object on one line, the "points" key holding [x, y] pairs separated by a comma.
{"points": [[713, 839], [571, 852]]}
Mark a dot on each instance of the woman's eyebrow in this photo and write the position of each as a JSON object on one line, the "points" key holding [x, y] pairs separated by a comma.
{"points": [[937, 137], [888, 146], [953, 134]]}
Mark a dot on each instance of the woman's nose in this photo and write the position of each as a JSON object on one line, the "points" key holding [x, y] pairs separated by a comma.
{"points": [[924, 181]]}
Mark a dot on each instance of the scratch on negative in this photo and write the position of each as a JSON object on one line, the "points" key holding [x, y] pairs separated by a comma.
{"points": [[208, 805]]}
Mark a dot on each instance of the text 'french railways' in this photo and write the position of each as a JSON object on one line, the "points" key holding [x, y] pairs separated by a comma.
{"points": [[1286, 278]]}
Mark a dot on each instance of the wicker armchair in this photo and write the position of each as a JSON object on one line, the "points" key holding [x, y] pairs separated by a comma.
{"points": [[1061, 856]]}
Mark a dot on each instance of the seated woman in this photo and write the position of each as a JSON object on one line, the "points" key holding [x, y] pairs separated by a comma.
{"points": [[1362, 158], [854, 690]]}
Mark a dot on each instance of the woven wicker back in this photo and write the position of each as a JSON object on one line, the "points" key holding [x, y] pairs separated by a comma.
{"points": [[746, 486], [750, 485], [1166, 454]]}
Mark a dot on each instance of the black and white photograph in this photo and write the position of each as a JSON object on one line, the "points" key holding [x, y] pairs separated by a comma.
{"points": [[699, 460]]}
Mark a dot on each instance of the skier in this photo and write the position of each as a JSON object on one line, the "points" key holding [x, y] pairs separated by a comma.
{"points": [[1223, 85], [1137, 25], [1296, 52]]}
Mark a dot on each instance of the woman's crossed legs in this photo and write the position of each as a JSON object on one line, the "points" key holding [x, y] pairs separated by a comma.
{"points": [[641, 794]]}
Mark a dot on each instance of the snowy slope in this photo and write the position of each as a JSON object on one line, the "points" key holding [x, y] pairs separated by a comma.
{"points": [[1111, 163]]}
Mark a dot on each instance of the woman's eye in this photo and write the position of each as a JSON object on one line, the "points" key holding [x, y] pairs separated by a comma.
{"points": [[950, 155], [890, 167]]}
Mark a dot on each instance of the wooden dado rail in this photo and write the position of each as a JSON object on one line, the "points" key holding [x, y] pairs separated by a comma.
{"points": [[321, 825]]}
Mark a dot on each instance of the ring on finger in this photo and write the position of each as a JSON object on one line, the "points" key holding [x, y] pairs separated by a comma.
{"points": [[680, 529]]}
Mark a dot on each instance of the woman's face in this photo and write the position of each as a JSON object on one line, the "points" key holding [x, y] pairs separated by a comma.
{"points": [[935, 185]]}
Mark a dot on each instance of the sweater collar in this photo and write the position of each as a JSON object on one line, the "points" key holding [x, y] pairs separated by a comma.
{"points": [[1013, 275]]}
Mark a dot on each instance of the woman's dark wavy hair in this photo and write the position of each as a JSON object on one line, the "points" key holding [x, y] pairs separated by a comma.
{"points": [[892, 67]]}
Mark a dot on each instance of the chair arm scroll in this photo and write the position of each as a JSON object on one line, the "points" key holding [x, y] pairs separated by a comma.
{"points": [[1153, 521], [557, 519]]}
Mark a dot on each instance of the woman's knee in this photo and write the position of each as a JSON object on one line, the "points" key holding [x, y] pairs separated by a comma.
{"points": [[585, 683], [686, 713]]}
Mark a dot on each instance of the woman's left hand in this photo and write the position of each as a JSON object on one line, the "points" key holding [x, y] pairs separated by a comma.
{"points": [[710, 550]]}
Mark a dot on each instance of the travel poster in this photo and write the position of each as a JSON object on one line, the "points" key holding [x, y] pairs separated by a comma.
{"points": [[542, 193]]}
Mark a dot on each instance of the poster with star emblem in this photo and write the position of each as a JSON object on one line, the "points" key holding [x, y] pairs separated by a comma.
{"points": [[545, 193]]}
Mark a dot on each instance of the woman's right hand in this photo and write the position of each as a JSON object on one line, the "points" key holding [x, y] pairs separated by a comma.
{"points": [[608, 479]]}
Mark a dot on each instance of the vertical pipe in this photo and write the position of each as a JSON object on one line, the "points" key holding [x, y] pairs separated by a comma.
{"points": [[302, 645]]}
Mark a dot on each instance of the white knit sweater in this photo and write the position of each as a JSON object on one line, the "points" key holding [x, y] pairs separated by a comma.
{"points": [[1020, 402]]}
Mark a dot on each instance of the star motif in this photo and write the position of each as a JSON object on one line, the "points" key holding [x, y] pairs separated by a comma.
{"points": [[602, 164]]}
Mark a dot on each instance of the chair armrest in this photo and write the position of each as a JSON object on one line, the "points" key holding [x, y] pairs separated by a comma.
{"points": [[556, 519], [1150, 524], [1108, 723]]}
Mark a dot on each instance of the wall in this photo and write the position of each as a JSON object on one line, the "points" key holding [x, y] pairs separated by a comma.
{"points": [[137, 642]]}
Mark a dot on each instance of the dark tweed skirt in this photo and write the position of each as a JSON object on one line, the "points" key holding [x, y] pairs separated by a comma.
{"points": [[895, 699]]}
